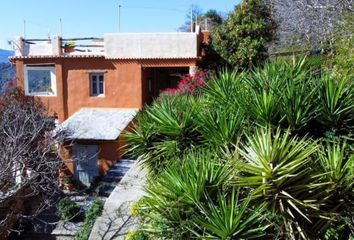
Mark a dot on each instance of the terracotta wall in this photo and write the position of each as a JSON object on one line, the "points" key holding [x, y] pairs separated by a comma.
{"points": [[109, 153], [122, 84]]}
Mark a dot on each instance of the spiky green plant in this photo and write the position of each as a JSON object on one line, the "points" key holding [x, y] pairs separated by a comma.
{"points": [[298, 93], [170, 202], [336, 102], [282, 93], [221, 127], [278, 168], [225, 89], [165, 130], [229, 217]]}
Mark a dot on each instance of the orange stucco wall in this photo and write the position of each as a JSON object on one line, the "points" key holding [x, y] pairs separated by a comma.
{"points": [[109, 153], [124, 88], [123, 82]]}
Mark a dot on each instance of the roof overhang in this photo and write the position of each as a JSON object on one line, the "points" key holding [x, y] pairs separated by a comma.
{"points": [[98, 123]]}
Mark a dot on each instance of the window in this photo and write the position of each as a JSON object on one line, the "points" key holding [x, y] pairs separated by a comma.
{"points": [[40, 80], [97, 84]]}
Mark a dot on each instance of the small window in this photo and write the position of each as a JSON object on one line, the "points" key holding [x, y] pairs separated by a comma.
{"points": [[96, 84], [40, 80]]}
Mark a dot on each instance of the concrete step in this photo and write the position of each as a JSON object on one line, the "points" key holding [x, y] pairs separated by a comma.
{"points": [[125, 161], [120, 167], [109, 188], [115, 173], [111, 179]]}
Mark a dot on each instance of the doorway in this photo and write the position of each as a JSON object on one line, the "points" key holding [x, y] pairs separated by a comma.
{"points": [[85, 158], [158, 79]]}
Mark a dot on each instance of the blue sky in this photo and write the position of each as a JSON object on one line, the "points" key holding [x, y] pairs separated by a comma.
{"points": [[93, 18]]}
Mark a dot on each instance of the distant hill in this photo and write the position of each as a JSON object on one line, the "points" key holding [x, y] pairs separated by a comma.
{"points": [[7, 70], [4, 55]]}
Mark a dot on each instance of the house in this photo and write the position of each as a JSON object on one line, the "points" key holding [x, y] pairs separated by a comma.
{"points": [[96, 86]]}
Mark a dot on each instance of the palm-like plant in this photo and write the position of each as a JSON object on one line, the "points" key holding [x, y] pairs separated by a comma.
{"points": [[165, 130], [261, 99], [337, 102], [298, 93], [225, 90], [170, 202], [230, 218], [336, 163], [278, 168], [221, 127]]}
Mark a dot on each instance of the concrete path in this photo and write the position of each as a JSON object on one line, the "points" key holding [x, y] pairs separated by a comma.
{"points": [[116, 221]]}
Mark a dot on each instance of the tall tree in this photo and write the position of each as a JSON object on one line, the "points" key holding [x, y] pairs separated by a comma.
{"points": [[241, 39], [308, 23], [194, 12], [29, 162], [207, 21]]}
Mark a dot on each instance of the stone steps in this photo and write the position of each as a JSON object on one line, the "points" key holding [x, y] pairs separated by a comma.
{"points": [[115, 174]]}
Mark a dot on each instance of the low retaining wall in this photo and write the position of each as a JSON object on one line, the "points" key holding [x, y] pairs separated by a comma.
{"points": [[116, 221]]}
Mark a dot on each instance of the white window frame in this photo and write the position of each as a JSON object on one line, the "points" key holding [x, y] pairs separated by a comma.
{"points": [[97, 85], [53, 80]]}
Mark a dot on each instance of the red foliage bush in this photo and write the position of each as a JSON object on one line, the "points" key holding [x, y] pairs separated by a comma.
{"points": [[189, 84]]}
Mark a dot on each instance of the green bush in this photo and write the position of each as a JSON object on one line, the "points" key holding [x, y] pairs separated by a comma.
{"points": [[91, 215], [137, 235], [241, 39], [68, 209], [270, 141]]}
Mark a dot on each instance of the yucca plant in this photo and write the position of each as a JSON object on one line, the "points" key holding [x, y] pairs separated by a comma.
{"points": [[337, 162], [225, 89], [164, 130], [229, 217], [298, 93], [261, 97], [169, 207], [279, 170], [336, 103], [221, 127]]}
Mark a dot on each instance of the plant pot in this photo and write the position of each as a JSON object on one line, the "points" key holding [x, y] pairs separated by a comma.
{"points": [[69, 187], [69, 49]]}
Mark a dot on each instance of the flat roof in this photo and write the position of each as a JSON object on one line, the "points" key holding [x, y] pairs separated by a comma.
{"points": [[98, 123]]}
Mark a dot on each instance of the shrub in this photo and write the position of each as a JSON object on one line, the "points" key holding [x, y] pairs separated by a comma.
{"points": [[264, 146], [164, 131], [170, 205], [242, 37], [92, 214], [189, 84], [68, 209], [277, 168]]}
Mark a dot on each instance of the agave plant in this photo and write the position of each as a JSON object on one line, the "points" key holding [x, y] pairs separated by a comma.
{"points": [[299, 94], [225, 89], [229, 217], [280, 170], [336, 163], [169, 206], [163, 131], [221, 127], [261, 99], [337, 102]]}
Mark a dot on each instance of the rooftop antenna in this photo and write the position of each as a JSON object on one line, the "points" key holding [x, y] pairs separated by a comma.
{"points": [[61, 27], [192, 18], [119, 7], [24, 28]]}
